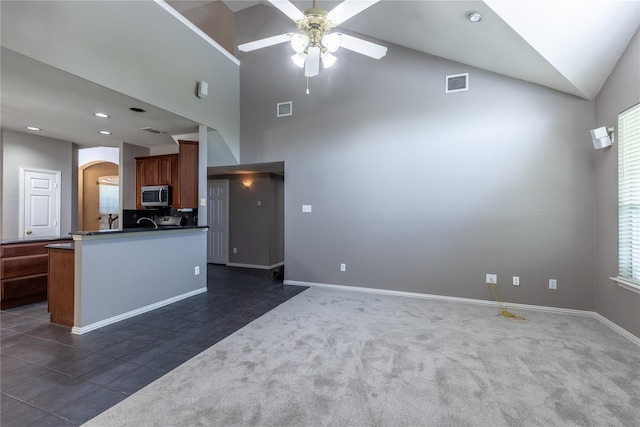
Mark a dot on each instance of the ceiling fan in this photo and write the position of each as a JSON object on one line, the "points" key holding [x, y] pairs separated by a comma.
{"points": [[315, 42]]}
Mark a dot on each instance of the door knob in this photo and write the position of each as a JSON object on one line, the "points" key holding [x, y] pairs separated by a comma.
{"points": [[29, 231]]}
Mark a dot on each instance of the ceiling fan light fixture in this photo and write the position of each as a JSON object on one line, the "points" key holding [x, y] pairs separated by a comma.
{"points": [[299, 59], [299, 42], [331, 42], [328, 59], [312, 64]]}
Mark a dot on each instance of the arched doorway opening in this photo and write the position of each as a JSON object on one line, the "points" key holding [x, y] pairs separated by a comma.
{"points": [[96, 179]]}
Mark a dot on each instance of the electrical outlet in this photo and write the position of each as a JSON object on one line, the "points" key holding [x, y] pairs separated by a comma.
{"points": [[343, 267], [516, 281], [553, 284], [492, 278], [197, 270], [235, 250]]}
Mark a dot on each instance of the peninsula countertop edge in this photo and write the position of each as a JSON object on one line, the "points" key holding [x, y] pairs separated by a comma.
{"points": [[134, 232]]}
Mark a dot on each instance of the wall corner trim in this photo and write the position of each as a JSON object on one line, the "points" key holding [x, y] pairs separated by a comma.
{"points": [[197, 30], [255, 266]]}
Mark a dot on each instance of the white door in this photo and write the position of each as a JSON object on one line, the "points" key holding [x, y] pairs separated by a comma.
{"points": [[39, 203], [218, 221]]}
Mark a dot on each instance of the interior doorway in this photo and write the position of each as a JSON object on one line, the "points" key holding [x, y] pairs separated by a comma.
{"points": [[218, 221], [89, 212], [254, 215], [39, 203]]}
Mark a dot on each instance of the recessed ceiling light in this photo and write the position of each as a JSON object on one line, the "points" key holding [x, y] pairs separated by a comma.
{"points": [[33, 128], [101, 115], [474, 16], [105, 132]]}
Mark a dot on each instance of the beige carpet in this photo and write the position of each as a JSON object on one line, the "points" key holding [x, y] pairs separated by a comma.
{"points": [[340, 358]]}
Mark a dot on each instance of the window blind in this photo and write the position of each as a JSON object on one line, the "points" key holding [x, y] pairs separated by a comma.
{"points": [[629, 194]]}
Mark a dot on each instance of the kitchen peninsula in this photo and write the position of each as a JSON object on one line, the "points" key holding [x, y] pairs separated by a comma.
{"points": [[122, 273]]}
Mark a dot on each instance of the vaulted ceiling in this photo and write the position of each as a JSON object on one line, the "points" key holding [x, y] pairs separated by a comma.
{"points": [[568, 45]]}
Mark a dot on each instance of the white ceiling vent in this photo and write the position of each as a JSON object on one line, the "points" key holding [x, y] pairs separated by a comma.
{"points": [[284, 109], [457, 83]]}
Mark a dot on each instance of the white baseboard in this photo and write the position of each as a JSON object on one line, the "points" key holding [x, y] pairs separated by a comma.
{"points": [[542, 308], [93, 326], [255, 266], [617, 328]]}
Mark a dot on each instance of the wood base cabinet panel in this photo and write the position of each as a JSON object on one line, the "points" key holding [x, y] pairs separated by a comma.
{"points": [[61, 286]]}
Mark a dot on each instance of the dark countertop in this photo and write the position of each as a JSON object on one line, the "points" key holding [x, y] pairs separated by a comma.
{"points": [[136, 230], [70, 246], [33, 240]]}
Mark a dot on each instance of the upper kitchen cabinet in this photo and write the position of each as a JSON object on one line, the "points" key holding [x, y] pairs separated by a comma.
{"points": [[157, 170], [180, 171]]}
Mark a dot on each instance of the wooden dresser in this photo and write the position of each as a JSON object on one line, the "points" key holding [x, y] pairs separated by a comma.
{"points": [[24, 272]]}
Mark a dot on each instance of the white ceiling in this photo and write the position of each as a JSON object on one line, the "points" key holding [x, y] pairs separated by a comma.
{"points": [[568, 45], [62, 105]]}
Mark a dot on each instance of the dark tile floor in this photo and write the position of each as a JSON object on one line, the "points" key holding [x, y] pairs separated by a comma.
{"points": [[50, 377]]}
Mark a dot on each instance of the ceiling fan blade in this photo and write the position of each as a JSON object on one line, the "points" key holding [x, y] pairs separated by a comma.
{"points": [[269, 41], [312, 66], [347, 9], [364, 47], [288, 9]]}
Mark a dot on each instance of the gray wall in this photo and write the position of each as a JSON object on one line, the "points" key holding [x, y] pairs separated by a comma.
{"points": [[276, 237], [1, 184], [417, 190], [22, 150], [121, 273], [621, 91], [127, 168], [256, 231]]}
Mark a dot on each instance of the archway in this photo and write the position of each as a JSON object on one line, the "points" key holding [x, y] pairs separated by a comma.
{"points": [[89, 217]]}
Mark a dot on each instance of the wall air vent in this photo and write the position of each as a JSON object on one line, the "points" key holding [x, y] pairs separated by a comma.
{"points": [[152, 130], [457, 83], [284, 109]]}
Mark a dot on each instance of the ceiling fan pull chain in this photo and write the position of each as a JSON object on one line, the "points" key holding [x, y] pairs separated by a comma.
{"points": [[307, 85]]}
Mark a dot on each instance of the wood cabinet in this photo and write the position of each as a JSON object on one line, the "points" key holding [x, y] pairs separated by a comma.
{"points": [[157, 170], [24, 273], [61, 284], [180, 171], [188, 174]]}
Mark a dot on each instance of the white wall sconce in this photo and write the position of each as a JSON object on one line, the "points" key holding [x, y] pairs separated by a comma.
{"points": [[202, 90], [247, 183], [602, 137]]}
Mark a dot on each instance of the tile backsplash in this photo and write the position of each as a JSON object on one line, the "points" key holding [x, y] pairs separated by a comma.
{"points": [[131, 216]]}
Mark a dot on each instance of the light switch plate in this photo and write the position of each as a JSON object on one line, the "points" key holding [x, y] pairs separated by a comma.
{"points": [[203, 202]]}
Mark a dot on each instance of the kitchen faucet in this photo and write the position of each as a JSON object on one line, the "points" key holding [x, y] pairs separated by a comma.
{"points": [[148, 219]]}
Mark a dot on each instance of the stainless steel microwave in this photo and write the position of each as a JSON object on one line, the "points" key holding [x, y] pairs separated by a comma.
{"points": [[156, 195]]}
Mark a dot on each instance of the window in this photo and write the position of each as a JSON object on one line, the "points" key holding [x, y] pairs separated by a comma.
{"points": [[109, 199], [629, 198]]}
